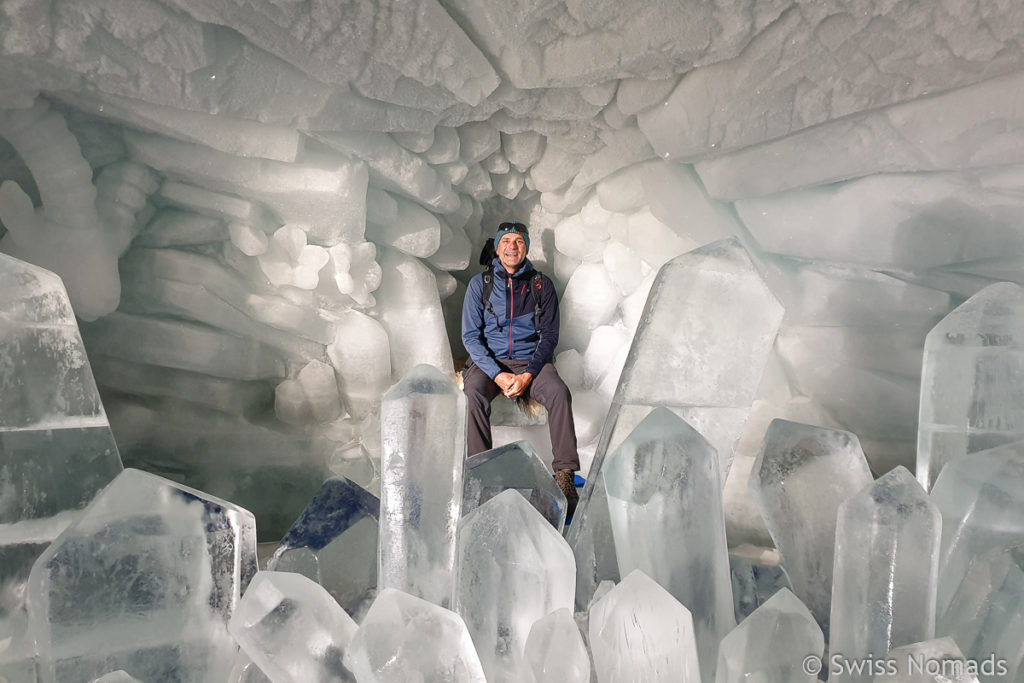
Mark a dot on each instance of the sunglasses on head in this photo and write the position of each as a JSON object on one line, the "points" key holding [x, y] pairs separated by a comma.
{"points": [[514, 227]]}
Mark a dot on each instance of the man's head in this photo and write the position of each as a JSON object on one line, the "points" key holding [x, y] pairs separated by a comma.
{"points": [[511, 243]]}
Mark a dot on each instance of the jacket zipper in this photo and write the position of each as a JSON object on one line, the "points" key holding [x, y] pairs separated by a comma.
{"points": [[511, 314]]}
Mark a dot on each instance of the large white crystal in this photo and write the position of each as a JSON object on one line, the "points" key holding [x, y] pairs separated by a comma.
{"points": [[513, 569], [639, 632], [885, 571], [423, 446], [555, 650], [972, 386], [665, 504], [800, 478]]}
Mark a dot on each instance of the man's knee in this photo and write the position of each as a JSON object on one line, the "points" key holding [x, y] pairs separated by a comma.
{"points": [[477, 388], [549, 388]]}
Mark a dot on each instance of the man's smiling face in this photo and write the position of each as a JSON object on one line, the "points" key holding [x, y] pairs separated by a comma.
{"points": [[511, 251]]}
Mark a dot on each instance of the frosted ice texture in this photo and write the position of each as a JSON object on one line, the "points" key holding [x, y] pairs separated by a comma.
{"points": [[700, 349], [770, 645], [930, 661], [513, 569], [423, 447], [292, 629], [334, 542], [885, 571], [513, 466], [555, 650], [972, 386], [638, 631], [986, 614], [403, 638], [800, 478], [981, 499], [665, 505], [146, 581], [56, 448]]}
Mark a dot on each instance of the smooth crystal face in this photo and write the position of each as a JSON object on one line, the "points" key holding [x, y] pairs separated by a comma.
{"points": [[665, 505], [771, 644], [555, 650], [292, 629], [972, 384], [987, 609], [981, 499], [514, 466], [638, 631], [423, 427], [403, 638], [701, 346], [885, 571], [146, 581], [800, 477], [513, 569], [935, 661], [334, 542]]}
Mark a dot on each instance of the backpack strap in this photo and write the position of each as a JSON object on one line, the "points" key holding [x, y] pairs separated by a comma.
{"points": [[538, 289], [485, 292]]}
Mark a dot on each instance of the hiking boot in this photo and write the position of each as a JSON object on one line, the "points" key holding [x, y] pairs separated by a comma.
{"points": [[566, 480]]}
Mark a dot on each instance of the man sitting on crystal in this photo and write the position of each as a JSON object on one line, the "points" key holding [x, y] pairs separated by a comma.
{"points": [[510, 329]]}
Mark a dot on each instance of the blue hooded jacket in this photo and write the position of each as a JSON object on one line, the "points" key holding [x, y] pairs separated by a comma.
{"points": [[510, 333]]}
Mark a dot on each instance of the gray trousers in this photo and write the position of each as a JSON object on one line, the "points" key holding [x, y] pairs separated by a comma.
{"points": [[547, 388]]}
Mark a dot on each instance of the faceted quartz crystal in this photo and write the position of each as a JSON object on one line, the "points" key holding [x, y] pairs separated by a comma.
{"points": [[972, 384], [771, 643], [987, 611], [513, 569], [334, 542], [801, 476], [145, 581], [423, 448], [981, 499], [56, 449], [885, 572], [292, 629], [555, 650], [930, 661], [639, 632], [700, 348], [665, 504], [514, 466], [403, 638]]}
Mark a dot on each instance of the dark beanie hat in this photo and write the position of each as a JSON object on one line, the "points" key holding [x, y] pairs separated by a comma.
{"points": [[512, 228]]}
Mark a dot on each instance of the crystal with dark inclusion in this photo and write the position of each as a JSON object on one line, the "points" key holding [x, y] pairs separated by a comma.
{"points": [[423, 452], [514, 466], [145, 580], [885, 572], [665, 505], [334, 542], [801, 476]]}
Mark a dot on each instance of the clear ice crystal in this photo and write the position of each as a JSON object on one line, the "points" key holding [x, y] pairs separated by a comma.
{"points": [[513, 466]]}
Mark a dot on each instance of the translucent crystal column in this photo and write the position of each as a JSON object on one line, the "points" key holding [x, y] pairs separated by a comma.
{"points": [[292, 628], [423, 448], [885, 571], [665, 504], [801, 476], [700, 348], [770, 645], [972, 383], [981, 499], [513, 569], [334, 542], [930, 661], [639, 632], [513, 466], [56, 449], [145, 581], [403, 638], [555, 650], [987, 610]]}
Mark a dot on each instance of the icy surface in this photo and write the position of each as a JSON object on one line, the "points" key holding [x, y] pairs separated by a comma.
{"points": [[514, 466], [800, 478], [513, 569], [664, 501], [423, 427], [555, 650]]}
